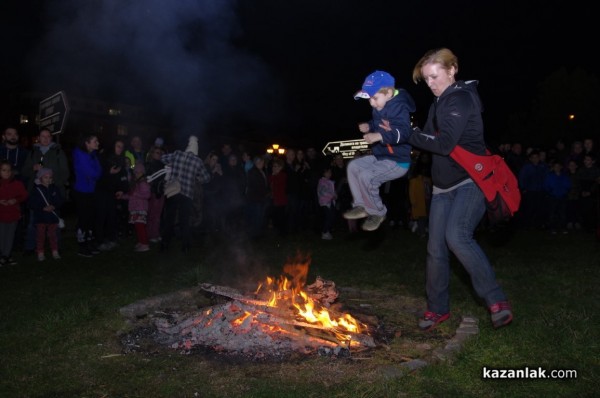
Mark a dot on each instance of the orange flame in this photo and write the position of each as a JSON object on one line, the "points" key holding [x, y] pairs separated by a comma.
{"points": [[284, 290]]}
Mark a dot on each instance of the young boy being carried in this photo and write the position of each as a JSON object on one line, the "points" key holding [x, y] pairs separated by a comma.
{"points": [[390, 157]]}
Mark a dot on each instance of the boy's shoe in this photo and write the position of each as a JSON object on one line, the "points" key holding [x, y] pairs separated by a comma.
{"points": [[142, 248], [41, 257], [501, 313], [326, 236], [355, 213], [372, 223], [3, 261], [430, 320], [11, 261], [56, 255]]}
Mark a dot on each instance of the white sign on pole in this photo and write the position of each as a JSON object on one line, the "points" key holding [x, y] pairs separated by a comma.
{"points": [[348, 148]]}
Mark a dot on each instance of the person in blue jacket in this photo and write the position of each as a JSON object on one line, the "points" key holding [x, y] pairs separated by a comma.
{"points": [[390, 158], [87, 172]]}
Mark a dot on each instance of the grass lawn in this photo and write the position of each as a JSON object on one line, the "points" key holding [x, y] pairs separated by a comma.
{"points": [[60, 322]]}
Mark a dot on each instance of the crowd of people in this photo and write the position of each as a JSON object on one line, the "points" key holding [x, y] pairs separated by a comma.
{"points": [[407, 178], [559, 185], [231, 191]]}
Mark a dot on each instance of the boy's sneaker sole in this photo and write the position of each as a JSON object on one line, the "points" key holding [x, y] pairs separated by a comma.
{"points": [[430, 320], [373, 222], [355, 214]]}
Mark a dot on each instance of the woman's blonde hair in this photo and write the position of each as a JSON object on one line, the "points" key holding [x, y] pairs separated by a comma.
{"points": [[442, 56]]}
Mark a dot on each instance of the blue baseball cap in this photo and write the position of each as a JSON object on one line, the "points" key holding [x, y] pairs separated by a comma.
{"points": [[373, 83]]}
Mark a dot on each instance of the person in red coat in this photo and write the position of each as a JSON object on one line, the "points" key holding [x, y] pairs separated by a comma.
{"points": [[12, 194], [279, 200]]}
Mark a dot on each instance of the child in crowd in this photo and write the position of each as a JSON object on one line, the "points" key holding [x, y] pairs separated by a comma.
{"points": [[327, 196], [390, 157], [278, 183], [138, 198], [12, 194], [45, 200]]}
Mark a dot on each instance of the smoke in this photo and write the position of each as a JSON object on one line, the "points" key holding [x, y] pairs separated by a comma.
{"points": [[177, 58]]}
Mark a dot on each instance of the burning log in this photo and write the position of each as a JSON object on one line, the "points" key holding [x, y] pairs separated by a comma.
{"points": [[321, 290], [231, 293], [362, 339]]}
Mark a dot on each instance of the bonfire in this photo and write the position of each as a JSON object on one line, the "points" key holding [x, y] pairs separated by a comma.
{"points": [[282, 315]]}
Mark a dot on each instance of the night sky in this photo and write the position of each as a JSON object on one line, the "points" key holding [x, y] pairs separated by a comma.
{"points": [[286, 70]]}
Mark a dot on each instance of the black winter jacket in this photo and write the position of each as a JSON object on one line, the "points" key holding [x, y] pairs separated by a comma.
{"points": [[454, 119]]}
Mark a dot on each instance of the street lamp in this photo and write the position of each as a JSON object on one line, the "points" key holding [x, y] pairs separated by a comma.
{"points": [[276, 148]]}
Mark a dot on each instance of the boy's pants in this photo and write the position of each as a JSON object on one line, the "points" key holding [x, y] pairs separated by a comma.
{"points": [[365, 175]]}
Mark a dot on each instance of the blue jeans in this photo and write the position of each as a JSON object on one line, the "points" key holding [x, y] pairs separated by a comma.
{"points": [[453, 217]]}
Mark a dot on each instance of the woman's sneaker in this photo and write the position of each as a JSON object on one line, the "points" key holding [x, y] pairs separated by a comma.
{"points": [[430, 320], [501, 314]]}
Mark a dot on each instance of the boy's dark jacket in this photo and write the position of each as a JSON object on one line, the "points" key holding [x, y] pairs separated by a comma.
{"points": [[394, 145], [36, 203]]}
